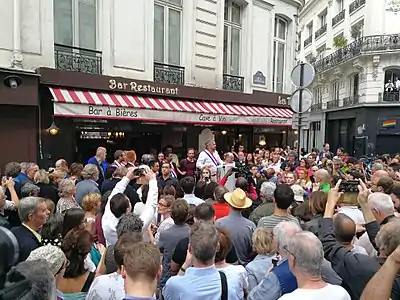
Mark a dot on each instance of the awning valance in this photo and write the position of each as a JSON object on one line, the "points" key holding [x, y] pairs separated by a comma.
{"points": [[91, 104]]}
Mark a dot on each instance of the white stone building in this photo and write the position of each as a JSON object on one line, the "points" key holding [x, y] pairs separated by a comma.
{"points": [[224, 64], [354, 46], [208, 38]]}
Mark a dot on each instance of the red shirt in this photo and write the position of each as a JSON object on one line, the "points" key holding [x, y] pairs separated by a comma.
{"points": [[221, 210]]}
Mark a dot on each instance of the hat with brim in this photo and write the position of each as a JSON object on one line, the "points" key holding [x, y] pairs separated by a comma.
{"points": [[238, 199], [298, 193]]}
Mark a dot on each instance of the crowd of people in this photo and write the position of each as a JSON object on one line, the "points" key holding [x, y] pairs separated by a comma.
{"points": [[258, 225]]}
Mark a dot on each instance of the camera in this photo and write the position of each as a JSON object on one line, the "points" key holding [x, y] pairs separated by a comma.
{"points": [[242, 170], [349, 186], [139, 172]]}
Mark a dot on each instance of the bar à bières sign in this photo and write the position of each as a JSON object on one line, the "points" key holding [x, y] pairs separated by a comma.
{"points": [[125, 113]]}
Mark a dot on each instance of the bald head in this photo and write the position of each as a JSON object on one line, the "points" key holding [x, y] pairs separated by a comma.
{"points": [[344, 228], [380, 173], [61, 165], [322, 175]]}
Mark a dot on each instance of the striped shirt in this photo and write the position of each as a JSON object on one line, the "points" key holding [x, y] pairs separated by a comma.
{"points": [[271, 221]]}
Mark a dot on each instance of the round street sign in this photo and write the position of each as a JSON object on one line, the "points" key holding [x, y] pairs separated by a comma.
{"points": [[308, 75], [305, 103]]}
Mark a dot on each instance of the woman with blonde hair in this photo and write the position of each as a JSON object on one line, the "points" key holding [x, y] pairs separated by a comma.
{"points": [[47, 189], [91, 205], [263, 245]]}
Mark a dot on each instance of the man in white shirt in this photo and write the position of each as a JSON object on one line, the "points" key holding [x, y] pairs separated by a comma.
{"points": [[110, 221], [276, 163], [209, 157], [305, 261]]}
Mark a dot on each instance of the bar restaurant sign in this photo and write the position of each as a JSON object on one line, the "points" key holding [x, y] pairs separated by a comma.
{"points": [[133, 86], [125, 113]]}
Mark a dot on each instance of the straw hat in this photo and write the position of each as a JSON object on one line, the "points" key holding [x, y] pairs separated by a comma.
{"points": [[238, 199]]}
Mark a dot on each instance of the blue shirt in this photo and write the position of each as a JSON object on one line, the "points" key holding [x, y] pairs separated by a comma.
{"points": [[196, 284], [192, 199]]}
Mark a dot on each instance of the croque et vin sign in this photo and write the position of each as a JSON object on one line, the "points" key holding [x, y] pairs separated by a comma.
{"points": [[133, 86]]}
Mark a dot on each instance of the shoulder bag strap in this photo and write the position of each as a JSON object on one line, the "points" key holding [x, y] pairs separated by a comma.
{"points": [[224, 286]]}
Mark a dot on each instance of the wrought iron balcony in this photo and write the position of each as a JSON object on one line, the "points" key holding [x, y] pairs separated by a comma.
{"points": [[307, 41], [338, 18], [390, 97], [350, 101], [71, 58], [320, 31], [172, 74], [356, 4], [316, 107], [333, 104], [360, 46], [233, 83]]}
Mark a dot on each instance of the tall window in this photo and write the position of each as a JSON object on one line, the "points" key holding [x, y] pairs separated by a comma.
{"points": [[340, 5], [335, 90], [75, 23], [310, 29], [322, 18], [279, 54], [318, 95], [354, 85], [167, 31], [232, 34]]}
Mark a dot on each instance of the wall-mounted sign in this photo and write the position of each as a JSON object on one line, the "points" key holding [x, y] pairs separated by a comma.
{"points": [[259, 78], [124, 113], [133, 86]]}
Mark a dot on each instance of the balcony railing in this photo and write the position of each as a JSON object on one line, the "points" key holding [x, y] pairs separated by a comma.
{"points": [[389, 97], [351, 101], [338, 18], [356, 4], [71, 58], [233, 83], [320, 31], [316, 107], [360, 46], [307, 41], [171, 74], [333, 104]]}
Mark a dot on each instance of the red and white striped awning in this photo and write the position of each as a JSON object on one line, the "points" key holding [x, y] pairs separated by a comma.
{"points": [[64, 98]]}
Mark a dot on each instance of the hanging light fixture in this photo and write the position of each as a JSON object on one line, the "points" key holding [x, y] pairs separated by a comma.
{"points": [[262, 141], [53, 129], [223, 132]]}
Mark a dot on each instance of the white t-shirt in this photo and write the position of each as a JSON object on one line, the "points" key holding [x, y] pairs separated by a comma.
{"points": [[237, 281], [329, 292]]}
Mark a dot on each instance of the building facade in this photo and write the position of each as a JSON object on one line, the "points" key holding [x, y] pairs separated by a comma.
{"points": [[354, 49], [245, 47]]}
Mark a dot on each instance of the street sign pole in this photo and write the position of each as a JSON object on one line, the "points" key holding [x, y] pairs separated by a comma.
{"points": [[302, 76], [300, 108]]}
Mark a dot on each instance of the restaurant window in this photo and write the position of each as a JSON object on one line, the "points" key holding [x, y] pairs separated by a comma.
{"points": [[75, 23], [280, 38], [232, 37], [167, 31]]}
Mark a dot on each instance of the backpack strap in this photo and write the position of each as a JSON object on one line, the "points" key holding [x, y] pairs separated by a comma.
{"points": [[224, 286]]}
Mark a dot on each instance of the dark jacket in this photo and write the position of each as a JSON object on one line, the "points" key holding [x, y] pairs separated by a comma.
{"points": [[48, 191], [355, 269], [4, 222], [130, 192], [314, 224], [27, 241]]}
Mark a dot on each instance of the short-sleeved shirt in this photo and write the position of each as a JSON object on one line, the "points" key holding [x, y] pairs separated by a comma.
{"points": [[169, 238], [181, 248], [271, 221]]}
